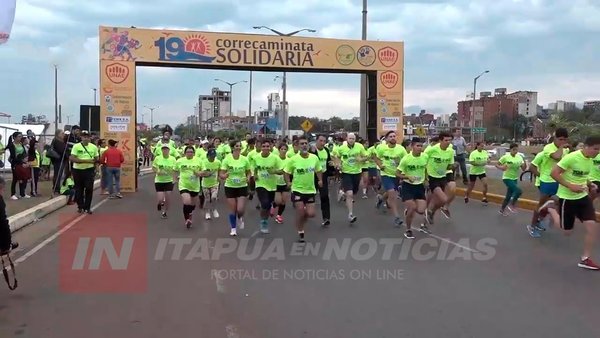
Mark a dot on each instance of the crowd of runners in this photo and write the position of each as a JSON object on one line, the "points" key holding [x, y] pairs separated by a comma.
{"points": [[419, 173]]}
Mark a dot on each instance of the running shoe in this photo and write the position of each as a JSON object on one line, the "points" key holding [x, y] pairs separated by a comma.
{"points": [[264, 227], [445, 212], [543, 224], [351, 219], [89, 212], [207, 215], [241, 223], [118, 195], [485, 202], [409, 234], [325, 223], [588, 264], [80, 211], [233, 232], [279, 219], [188, 223], [398, 222], [215, 213], [466, 200], [512, 209], [503, 212], [301, 237], [425, 229], [533, 232], [364, 197], [163, 215], [159, 206]]}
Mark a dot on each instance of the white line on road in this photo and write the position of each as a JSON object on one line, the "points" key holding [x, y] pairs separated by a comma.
{"points": [[453, 243], [231, 331], [56, 234], [218, 281]]}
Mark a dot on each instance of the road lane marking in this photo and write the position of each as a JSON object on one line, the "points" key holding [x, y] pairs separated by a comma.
{"points": [[56, 234], [218, 281], [453, 243]]}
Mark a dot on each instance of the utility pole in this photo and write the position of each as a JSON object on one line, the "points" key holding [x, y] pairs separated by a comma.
{"points": [[362, 129], [250, 101], [151, 116], [94, 89], [55, 98]]}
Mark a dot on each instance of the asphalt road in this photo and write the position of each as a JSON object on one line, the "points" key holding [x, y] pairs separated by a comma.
{"points": [[479, 275]]}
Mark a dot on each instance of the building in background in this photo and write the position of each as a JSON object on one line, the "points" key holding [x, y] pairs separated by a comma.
{"points": [[241, 113], [526, 102], [561, 106], [497, 110], [443, 120], [216, 104], [592, 105]]}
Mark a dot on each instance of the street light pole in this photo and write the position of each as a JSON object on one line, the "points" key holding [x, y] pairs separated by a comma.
{"points": [[362, 131], [250, 101], [55, 98], [94, 89], [151, 115], [473, 105], [231, 93], [284, 85]]}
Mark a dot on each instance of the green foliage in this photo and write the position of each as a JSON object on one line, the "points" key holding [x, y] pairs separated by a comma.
{"points": [[332, 124]]}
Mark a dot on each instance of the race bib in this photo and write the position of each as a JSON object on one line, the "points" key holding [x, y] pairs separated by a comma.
{"points": [[393, 163], [193, 178], [236, 180], [441, 171], [264, 174], [351, 161]]}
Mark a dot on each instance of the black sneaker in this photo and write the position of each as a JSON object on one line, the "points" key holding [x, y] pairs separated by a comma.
{"points": [[484, 201], [409, 234], [466, 200], [163, 215], [89, 212], [301, 238], [325, 223], [79, 211]]}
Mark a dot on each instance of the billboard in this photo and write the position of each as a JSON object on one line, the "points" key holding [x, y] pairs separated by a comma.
{"points": [[122, 49]]}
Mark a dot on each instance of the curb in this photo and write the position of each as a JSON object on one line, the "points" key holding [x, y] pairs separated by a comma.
{"points": [[32, 215], [498, 199]]}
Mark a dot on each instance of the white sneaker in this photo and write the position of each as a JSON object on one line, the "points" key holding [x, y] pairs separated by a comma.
{"points": [[207, 215], [241, 223], [233, 232], [215, 213], [14, 197], [26, 196]]}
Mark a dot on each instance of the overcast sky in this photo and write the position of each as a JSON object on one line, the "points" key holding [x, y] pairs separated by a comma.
{"points": [[547, 46]]}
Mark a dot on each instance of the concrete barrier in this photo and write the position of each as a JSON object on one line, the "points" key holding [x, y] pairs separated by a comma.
{"points": [[32, 215]]}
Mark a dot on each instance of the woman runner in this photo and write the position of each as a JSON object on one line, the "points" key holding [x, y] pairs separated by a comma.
{"points": [[511, 163], [189, 168], [235, 170], [283, 191], [164, 166], [210, 182]]}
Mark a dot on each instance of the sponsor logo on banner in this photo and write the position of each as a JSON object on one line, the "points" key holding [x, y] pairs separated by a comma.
{"points": [[389, 126], [366, 56], [117, 127], [107, 253], [388, 56], [117, 72], [389, 79], [118, 119], [390, 120], [193, 48], [345, 55]]}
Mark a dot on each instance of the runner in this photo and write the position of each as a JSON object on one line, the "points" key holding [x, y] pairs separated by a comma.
{"points": [[210, 182], [440, 160], [265, 167], [573, 175], [510, 164], [388, 156], [595, 178], [412, 172], [367, 167], [189, 168], [551, 154], [325, 159], [303, 168], [165, 167], [283, 190], [165, 140], [252, 150], [235, 170], [349, 158], [478, 159]]}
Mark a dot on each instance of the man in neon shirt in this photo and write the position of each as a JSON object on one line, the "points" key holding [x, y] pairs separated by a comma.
{"points": [[412, 172], [265, 167], [440, 160], [478, 159], [388, 156], [349, 158]]}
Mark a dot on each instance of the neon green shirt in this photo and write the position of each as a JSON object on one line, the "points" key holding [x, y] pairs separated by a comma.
{"points": [[200, 153], [537, 162], [303, 170], [165, 169], [263, 168], [213, 168], [251, 155], [322, 155], [80, 152], [478, 160], [548, 162], [577, 171], [157, 152], [223, 150], [352, 158], [188, 180], [390, 158], [45, 159], [595, 173], [67, 184], [513, 164], [237, 171], [439, 160], [281, 178], [291, 152], [414, 166], [369, 163]]}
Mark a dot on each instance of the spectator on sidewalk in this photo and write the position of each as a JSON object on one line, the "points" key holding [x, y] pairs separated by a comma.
{"points": [[100, 143], [45, 164], [33, 158], [67, 188], [84, 156], [19, 166], [6, 243], [60, 159], [112, 159]]}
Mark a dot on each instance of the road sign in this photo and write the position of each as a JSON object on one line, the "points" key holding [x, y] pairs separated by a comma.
{"points": [[421, 132], [479, 130], [306, 126]]}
